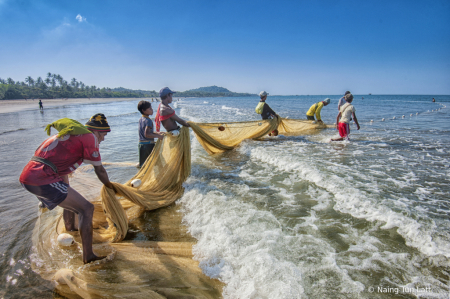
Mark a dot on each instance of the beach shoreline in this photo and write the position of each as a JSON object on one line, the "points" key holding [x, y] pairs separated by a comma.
{"points": [[8, 106]]}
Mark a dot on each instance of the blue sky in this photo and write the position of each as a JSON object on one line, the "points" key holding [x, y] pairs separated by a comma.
{"points": [[284, 47]]}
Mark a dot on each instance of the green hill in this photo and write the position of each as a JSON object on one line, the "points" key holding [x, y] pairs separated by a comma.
{"points": [[213, 89]]}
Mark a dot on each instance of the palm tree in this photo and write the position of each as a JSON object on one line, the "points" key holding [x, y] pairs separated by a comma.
{"points": [[29, 80], [2, 81], [10, 81], [59, 79], [74, 82]]}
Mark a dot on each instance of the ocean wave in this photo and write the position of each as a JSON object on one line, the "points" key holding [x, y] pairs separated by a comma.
{"points": [[12, 131], [358, 203]]}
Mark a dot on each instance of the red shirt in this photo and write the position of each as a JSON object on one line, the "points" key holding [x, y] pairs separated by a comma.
{"points": [[67, 153]]}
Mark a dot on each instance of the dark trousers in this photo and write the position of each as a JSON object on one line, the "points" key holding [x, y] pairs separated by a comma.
{"points": [[144, 151]]}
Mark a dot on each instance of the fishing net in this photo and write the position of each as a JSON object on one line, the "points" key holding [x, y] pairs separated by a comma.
{"points": [[220, 137], [137, 267], [156, 262]]}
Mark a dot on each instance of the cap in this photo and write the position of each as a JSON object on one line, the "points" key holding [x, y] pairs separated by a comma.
{"points": [[263, 94], [165, 91], [326, 101], [98, 123]]}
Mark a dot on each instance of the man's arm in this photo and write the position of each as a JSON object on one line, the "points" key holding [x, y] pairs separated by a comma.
{"points": [[318, 113], [356, 121], [272, 113], [337, 120], [65, 178], [150, 134], [168, 111], [179, 120], [102, 175]]}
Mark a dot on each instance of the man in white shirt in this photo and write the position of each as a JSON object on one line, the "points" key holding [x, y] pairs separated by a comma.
{"points": [[346, 112]]}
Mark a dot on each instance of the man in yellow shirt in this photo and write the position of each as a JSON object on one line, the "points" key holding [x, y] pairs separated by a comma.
{"points": [[315, 109]]}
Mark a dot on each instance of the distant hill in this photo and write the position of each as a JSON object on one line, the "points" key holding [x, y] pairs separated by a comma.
{"points": [[212, 91]]}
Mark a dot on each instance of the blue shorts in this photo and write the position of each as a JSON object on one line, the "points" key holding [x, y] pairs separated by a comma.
{"points": [[50, 195]]}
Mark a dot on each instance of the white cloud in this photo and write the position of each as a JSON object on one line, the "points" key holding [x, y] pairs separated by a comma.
{"points": [[79, 18]]}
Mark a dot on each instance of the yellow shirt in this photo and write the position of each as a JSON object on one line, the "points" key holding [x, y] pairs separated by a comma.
{"points": [[315, 109]]}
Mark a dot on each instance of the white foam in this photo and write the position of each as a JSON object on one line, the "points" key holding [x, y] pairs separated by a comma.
{"points": [[354, 201], [238, 244]]}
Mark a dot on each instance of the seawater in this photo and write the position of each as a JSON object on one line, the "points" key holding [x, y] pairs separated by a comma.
{"points": [[283, 217]]}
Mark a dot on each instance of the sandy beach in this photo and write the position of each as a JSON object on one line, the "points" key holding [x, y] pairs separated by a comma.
{"points": [[7, 106]]}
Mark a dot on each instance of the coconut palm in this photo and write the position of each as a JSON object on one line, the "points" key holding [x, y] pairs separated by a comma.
{"points": [[29, 80], [74, 82]]}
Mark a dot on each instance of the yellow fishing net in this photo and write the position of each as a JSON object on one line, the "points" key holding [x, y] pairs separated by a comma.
{"points": [[220, 137], [134, 268], [159, 263]]}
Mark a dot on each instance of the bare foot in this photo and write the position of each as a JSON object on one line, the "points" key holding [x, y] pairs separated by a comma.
{"points": [[94, 258]]}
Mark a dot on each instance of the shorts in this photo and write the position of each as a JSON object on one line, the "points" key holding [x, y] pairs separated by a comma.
{"points": [[310, 117], [50, 195], [144, 151], [344, 129], [178, 128]]}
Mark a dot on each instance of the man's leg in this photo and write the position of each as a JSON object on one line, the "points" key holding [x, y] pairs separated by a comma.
{"points": [[342, 133], [76, 203], [69, 220]]}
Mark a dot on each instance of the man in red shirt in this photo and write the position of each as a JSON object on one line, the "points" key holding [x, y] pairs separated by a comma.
{"points": [[46, 176]]}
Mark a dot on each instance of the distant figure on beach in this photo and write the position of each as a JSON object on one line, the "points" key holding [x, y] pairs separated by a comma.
{"points": [[344, 117], [315, 110], [264, 108], [146, 133], [342, 100], [434, 100], [40, 105], [166, 115], [46, 175]]}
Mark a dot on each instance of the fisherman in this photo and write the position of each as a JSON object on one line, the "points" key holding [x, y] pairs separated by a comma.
{"points": [[344, 117], [434, 100], [315, 109], [263, 108], [342, 100], [146, 133], [40, 105], [166, 115], [46, 175]]}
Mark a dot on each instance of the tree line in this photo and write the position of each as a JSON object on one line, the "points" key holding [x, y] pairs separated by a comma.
{"points": [[54, 86]]}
